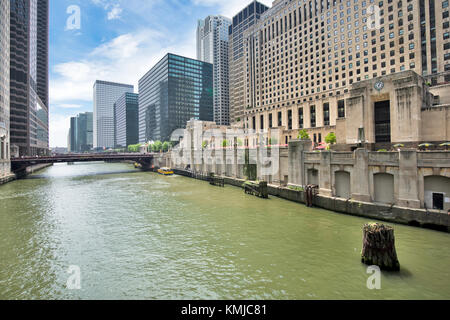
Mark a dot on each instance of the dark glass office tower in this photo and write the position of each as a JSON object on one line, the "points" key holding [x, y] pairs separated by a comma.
{"points": [[42, 50], [80, 133], [126, 120], [174, 91], [84, 132], [29, 77]]}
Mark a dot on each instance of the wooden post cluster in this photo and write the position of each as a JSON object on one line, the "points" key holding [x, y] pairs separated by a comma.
{"points": [[379, 247]]}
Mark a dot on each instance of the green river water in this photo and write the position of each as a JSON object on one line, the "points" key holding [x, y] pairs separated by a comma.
{"points": [[137, 235]]}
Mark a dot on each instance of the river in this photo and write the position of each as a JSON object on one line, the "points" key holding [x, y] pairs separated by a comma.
{"points": [[136, 235]]}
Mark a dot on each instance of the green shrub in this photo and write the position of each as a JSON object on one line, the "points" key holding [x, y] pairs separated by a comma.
{"points": [[303, 135], [331, 138]]}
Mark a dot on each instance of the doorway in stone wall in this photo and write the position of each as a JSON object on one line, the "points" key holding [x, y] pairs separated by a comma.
{"points": [[383, 122]]}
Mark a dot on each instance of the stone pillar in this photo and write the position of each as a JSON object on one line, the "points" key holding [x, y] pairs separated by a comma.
{"points": [[360, 176], [259, 163], [325, 174], [297, 149], [408, 192]]}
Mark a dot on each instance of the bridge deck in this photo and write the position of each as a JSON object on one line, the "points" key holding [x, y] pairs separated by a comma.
{"points": [[20, 163]]}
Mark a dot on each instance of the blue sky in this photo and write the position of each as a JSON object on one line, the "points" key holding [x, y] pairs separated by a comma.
{"points": [[118, 40]]}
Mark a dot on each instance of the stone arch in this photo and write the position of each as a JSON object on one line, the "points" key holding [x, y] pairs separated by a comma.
{"points": [[342, 184], [384, 188], [437, 189]]}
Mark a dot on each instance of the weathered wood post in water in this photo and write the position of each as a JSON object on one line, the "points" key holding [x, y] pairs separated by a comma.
{"points": [[379, 247]]}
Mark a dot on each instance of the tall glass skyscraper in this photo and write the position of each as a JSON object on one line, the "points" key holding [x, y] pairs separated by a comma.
{"points": [[174, 91], [80, 133], [4, 89], [29, 77], [126, 120], [212, 47], [105, 95]]}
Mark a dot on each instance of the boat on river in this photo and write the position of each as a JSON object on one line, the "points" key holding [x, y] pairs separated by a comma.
{"points": [[165, 171]]}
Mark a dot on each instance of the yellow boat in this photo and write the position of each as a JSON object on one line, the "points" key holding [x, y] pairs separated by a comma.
{"points": [[165, 171]]}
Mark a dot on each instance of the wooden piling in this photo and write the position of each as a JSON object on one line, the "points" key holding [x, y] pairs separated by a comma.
{"points": [[379, 247]]}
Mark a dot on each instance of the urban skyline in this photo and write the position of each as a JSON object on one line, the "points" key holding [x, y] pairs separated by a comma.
{"points": [[79, 57]]}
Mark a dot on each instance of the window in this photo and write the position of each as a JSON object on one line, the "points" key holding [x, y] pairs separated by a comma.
{"points": [[313, 116], [326, 114], [300, 118], [280, 119], [341, 109]]}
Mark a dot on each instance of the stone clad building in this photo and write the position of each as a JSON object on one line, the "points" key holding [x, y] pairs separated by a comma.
{"points": [[375, 72]]}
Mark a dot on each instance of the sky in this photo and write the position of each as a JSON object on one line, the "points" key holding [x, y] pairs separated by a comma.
{"points": [[119, 41]]}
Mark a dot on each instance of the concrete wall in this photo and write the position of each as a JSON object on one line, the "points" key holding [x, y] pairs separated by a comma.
{"points": [[439, 117], [393, 178]]}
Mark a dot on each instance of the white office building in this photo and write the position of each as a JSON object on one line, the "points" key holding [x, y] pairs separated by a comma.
{"points": [[212, 47], [105, 95]]}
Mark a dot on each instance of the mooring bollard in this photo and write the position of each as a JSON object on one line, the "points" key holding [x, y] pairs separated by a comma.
{"points": [[379, 247]]}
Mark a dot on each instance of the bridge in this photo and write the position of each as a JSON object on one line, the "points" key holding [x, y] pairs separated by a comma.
{"points": [[19, 165]]}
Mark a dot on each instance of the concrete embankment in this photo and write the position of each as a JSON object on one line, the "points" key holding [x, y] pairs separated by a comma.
{"points": [[431, 219], [29, 170], [7, 179], [38, 167]]}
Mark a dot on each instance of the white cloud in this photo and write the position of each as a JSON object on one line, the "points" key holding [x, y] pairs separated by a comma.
{"points": [[115, 12], [123, 59], [59, 129], [69, 106], [228, 8]]}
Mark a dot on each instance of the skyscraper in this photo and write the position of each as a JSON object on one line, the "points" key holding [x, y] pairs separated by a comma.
{"points": [[4, 89], [174, 91], [80, 133], [72, 136], [105, 95], [29, 77], [237, 62], [212, 47], [126, 120], [84, 132]]}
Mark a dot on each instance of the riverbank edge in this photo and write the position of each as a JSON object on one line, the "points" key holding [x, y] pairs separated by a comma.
{"points": [[430, 219], [29, 170]]}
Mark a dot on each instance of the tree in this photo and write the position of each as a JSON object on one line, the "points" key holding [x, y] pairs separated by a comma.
{"points": [[330, 138], [157, 146], [204, 144], [134, 148], [240, 143], [225, 143], [166, 146], [303, 135]]}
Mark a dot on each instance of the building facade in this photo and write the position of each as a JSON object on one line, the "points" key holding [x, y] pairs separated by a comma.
{"points": [[5, 165], [212, 47], [105, 95], [29, 77], [80, 137], [245, 19], [126, 120], [308, 61], [174, 91], [72, 136]]}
